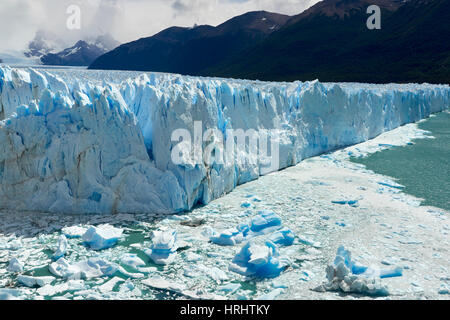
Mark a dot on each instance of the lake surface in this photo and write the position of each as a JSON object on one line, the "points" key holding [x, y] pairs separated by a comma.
{"points": [[424, 167]]}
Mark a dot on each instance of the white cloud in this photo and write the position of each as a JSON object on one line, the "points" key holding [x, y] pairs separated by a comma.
{"points": [[126, 20]]}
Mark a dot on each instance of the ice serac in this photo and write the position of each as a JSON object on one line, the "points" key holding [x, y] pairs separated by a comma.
{"points": [[75, 151], [78, 144]]}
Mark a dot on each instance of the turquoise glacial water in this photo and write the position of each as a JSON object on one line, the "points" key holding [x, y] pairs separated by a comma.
{"points": [[424, 167]]}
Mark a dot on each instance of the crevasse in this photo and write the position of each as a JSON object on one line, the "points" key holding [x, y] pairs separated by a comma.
{"points": [[85, 142]]}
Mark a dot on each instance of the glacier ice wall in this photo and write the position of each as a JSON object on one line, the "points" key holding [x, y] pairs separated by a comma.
{"points": [[78, 143]]}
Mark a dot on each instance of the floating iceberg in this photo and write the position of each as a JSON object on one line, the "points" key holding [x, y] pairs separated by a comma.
{"points": [[61, 249], [284, 237], [260, 260], [94, 267], [32, 282], [102, 237], [15, 265], [350, 277], [228, 237], [77, 144], [10, 294], [264, 223], [73, 232], [132, 261], [164, 247], [264, 220], [230, 287]]}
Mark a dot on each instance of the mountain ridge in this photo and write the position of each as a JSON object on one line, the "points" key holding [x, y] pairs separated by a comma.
{"points": [[329, 41], [190, 50]]}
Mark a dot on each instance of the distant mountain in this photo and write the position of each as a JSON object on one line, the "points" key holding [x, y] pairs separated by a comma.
{"points": [[329, 41], [83, 53], [43, 43], [192, 50]]}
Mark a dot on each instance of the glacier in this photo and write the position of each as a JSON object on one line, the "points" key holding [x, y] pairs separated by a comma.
{"points": [[79, 141]]}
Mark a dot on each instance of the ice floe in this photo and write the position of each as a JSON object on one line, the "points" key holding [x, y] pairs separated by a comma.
{"points": [[15, 265], [31, 282], [62, 248], [164, 247], [102, 237], [260, 260], [91, 268]]}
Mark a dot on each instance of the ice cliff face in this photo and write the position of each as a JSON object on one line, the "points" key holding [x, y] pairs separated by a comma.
{"points": [[76, 144]]}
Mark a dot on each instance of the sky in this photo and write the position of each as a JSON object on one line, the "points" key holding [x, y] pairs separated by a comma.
{"points": [[125, 20]]}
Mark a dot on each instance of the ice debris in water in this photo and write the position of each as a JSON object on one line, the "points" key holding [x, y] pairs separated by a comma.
{"points": [[284, 237], [348, 276], [102, 237], [15, 265], [271, 295], [260, 260], [94, 267], [162, 284], [164, 247], [230, 287], [228, 237], [264, 223], [32, 282], [71, 285], [73, 231], [264, 220], [444, 289], [351, 203], [9, 294], [61, 249], [132, 261]]}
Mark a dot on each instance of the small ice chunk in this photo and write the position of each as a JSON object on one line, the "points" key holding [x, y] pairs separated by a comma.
{"points": [[246, 204], [193, 257], [264, 219], [94, 267], [127, 286], [14, 245], [74, 231], [71, 285], [102, 237], [444, 289], [127, 274], [208, 232], [383, 273], [230, 287], [284, 237], [32, 282], [214, 273], [15, 265], [62, 248], [228, 237], [351, 203], [271, 295], [109, 285], [279, 284], [162, 284], [164, 247], [132, 261], [147, 269], [10, 294], [308, 242]]}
